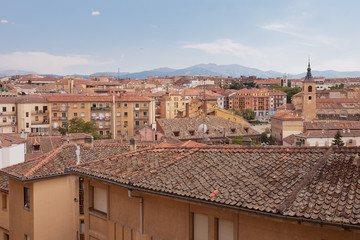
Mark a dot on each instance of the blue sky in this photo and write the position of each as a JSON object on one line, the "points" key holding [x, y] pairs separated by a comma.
{"points": [[87, 36]]}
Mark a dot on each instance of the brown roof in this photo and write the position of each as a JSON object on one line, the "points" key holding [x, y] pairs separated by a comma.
{"points": [[55, 162], [328, 125], [319, 184], [96, 98], [215, 125], [285, 116], [7, 140]]}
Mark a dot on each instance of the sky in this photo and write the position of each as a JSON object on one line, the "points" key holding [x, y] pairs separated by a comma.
{"points": [[88, 36]]}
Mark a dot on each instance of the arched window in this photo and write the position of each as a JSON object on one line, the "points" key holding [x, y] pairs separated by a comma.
{"points": [[309, 88]]}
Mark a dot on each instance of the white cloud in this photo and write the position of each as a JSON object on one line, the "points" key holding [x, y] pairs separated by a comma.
{"points": [[42, 62], [309, 38], [225, 46], [4, 21], [95, 13]]}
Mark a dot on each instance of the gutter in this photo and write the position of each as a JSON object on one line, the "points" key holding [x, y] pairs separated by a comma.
{"points": [[345, 226]]}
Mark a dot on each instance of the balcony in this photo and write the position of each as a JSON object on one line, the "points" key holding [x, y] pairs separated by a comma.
{"points": [[10, 123], [40, 112], [100, 108], [7, 113], [40, 122], [59, 109], [59, 118]]}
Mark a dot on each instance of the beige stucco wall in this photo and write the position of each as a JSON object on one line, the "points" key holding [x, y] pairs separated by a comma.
{"points": [[21, 219], [55, 212]]}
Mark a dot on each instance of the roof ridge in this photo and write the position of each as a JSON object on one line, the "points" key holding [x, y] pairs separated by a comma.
{"points": [[305, 181], [46, 160]]}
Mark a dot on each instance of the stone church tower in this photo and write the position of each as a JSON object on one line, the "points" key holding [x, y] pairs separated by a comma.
{"points": [[309, 97]]}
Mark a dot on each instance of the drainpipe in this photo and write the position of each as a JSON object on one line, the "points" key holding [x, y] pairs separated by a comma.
{"points": [[141, 211]]}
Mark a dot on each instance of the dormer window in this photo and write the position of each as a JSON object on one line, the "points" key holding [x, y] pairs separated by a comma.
{"points": [[36, 147], [233, 130], [192, 132], [176, 133]]}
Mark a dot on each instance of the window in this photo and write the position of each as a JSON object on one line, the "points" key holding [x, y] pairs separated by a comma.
{"points": [[27, 125], [118, 123], [125, 105], [6, 236], [36, 147], [145, 123], [225, 229], [107, 133], [118, 132], [4, 201], [36, 108], [36, 118], [136, 105], [201, 227], [100, 105], [82, 114], [101, 124], [118, 114], [98, 199], [55, 114], [4, 120], [101, 132], [75, 114], [81, 195], [144, 114], [136, 115], [107, 123], [82, 105], [176, 133], [107, 105], [309, 97], [350, 141], [118, 105], [82, 229], [125, 123], [310, 89], [94, 105], [27, 114], [75, 105], [27, 237], [13, 109], [26, 197], [137, 124], [4, 109], [55, 105], [125, 114], [144, 104]]}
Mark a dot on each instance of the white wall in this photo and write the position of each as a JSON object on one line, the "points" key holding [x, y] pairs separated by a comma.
{"points": [[12, 155]]}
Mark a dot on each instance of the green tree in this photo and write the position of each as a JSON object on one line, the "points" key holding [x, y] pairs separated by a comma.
{"points": [[288, 90], [338, 139], [341, 86], [238, 112], [271, 141], [236, 85], [248, 114], [78, 125], [237, 140], [264, 138]]}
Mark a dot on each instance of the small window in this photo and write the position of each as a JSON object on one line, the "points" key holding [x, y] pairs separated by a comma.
{"points": [[55, 114], [36, 147], [98, 199], [350, 141], [4, 201], [82, 114], [125, 114], [118, 114], [118, 132], [192, 132], [36, 108], [118, 123], [145, 123], [225, 229], [82, 105], [176, 133], [36, 118], [136, 105], [75, 114], [27, 125], [26, 197], [13, 109], [27, 114], [4, 120], [144, 114], [309, 97], [233, 130], [118, 105], [125, 105], [310, 89], [144, 104], [4, 109], [125, 123], [201, 227], [107, 105], [137, 124], [75, 105]]}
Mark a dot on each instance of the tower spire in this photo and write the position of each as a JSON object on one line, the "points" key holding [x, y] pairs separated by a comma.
{"points": [[308, 77]]}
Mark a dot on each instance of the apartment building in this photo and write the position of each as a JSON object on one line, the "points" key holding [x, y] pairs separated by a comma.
{"points": [[263, 102], [24, 114], [171, 104], [115, 116]]}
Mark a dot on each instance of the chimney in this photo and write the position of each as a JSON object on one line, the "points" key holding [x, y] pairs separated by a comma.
{"points": [[77, 152], [132, 144], [89, 141]]}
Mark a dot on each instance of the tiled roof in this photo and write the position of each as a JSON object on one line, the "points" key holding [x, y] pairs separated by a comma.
{"points": [[54, 162], [311, 183], [96, 98], [286, 116], [215, 125], [4, 184], [332, 125], [7, 140]]}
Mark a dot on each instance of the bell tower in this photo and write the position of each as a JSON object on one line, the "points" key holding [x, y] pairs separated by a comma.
{"points": [[309, 96]]}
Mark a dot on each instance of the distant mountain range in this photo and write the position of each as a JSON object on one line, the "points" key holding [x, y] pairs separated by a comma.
{"points": [[203, 69]]}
